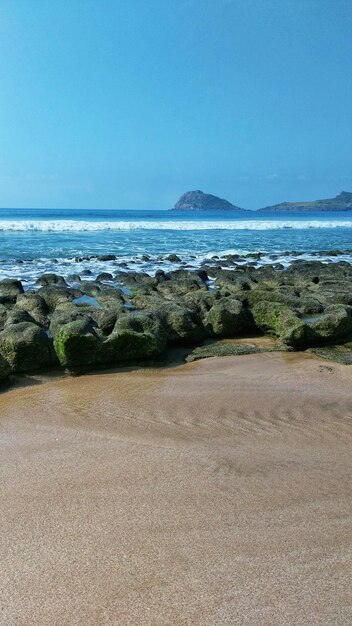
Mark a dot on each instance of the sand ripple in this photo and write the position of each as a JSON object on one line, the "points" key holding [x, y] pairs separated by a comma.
{"points": [[217, 492]]}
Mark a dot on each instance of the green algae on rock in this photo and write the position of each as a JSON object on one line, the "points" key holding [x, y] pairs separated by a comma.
{"points": [[77, 345], [228, 318], [334, 323], [221, 348], [100, 325], [26, 347], [136, 336], [338, 353], [35, 305], [57, 294], [279, 319]]}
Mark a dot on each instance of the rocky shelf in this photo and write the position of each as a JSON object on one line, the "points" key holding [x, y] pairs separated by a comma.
{"points": [[136, 317]]}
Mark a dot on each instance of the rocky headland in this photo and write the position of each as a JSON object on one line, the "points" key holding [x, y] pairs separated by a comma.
{"points": [[199, 201], [75, 324], [341, 202]]}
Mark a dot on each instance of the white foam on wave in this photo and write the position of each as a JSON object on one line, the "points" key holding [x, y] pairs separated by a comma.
{"points": [[29, 270], [85, 226]]}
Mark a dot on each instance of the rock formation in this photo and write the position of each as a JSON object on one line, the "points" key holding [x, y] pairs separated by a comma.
{"points": [[199, 201]]}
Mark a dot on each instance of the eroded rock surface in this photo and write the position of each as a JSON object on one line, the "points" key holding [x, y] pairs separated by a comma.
{"points": [[137, 317]]}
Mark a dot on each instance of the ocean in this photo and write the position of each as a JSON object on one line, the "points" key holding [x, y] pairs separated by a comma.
{"points": [[34, 241]]}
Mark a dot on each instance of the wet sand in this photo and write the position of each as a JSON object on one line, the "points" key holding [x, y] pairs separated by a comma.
{"points": [[217, 492]]}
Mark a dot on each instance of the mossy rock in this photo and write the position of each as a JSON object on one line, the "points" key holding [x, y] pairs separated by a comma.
{"points": [[90, 288], [309, 305], [9, 290], [227, 318], [146, 299], [238, 285], [335, 323], [74, 278], [111, 299], [26, 347], [5, 369], [338, 354], [106, 317], [184, 274], [200, 302], [301, 267], [108, 292], [180, 324], [128, 345], [171, 289], [53, 295], [139, 321], [17, 316], [285, 295], [220, 348], [278, 319], [134, 282], [68, 312], [104, 276], [173, 258], [102, 319], [139, 291], [35, 305], [332, 297], [77, 345], [136, 336], [51, 279], [3, 315]]}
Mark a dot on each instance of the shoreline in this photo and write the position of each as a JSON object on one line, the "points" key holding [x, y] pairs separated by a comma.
{"points": [[29, 270], [215, 492], [174, 357]]}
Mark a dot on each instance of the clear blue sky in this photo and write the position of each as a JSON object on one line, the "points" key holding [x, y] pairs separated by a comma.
{"points": [[129, 103]]}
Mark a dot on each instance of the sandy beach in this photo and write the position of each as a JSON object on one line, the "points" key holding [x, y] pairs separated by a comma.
{"points": [[215, 492]]}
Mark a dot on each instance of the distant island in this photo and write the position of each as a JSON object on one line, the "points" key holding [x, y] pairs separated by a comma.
{"points": [[342, 202], [199, 201]]}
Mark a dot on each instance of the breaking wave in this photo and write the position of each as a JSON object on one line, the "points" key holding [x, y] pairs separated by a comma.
{"points": [[122, 225]]}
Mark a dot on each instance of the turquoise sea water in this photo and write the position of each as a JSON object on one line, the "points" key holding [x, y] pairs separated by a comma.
{"points": [[33, 240]]}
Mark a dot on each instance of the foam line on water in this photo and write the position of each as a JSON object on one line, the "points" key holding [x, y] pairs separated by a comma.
{"points": [[29, 270], [124, 225]]}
